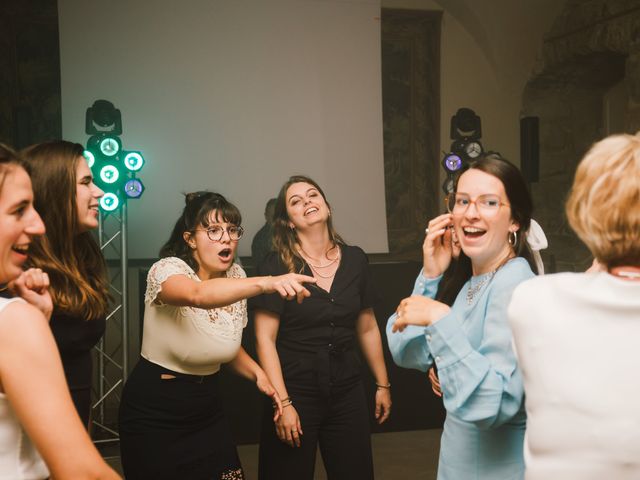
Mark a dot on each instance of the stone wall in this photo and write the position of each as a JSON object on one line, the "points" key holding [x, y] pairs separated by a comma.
{"points": [[592, 46]]}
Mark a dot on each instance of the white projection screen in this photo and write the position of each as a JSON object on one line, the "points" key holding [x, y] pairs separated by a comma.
{"points": [[234, 96]]}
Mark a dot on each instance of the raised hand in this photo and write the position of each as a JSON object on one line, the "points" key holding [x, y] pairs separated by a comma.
{"points": [[418, 310], [437, 249], [33, 286], [289, 286]]}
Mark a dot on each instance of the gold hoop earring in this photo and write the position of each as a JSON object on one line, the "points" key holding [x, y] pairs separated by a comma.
{"points": [[513, 240]]}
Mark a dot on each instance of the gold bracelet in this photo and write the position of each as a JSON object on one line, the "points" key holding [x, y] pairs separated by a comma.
{"points": [[387, 386]]}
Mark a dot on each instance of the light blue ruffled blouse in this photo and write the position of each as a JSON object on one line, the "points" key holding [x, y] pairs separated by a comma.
{"points": [[481, 384]]}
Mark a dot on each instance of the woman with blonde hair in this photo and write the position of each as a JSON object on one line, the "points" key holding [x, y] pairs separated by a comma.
{"points": [[576, 334], [67, 200], [40, 432]]}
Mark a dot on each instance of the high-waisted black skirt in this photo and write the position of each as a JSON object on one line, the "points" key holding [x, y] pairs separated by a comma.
{"points": [[175, 428]]}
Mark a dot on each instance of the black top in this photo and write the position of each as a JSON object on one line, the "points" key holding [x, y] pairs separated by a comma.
{"points": [[317, 338], [75, 337]]}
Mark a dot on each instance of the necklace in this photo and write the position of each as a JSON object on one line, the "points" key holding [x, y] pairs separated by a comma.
{"points": [[308, 257], [473, 291], [317, 273]]}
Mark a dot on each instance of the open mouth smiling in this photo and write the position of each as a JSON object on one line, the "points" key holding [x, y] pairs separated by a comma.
{"points": [[310, 210], [473, 232]]}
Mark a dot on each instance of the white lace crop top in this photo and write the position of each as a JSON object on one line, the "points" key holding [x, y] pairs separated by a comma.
{"points": [[19, 459], [188, 339]]}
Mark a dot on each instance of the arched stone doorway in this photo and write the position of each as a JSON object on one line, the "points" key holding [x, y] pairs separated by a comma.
{"points": [[593, 47]]}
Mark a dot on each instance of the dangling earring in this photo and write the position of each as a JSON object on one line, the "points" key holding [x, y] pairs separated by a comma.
{"points": [[513, 240]]}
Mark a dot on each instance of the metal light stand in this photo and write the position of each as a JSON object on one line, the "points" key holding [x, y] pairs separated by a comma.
{"points": [[112, 352]]}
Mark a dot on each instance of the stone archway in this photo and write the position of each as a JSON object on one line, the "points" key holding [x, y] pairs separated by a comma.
{"points": [[593, 45]]}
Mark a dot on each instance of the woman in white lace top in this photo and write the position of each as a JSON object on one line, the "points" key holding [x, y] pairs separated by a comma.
{"points": [[172, 424]]}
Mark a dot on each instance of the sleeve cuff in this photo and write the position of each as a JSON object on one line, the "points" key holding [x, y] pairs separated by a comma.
{"points": [[447, 342], [426, 286]]}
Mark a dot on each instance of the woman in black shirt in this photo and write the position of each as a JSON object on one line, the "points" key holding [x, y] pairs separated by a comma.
{"points": [[67, 200], [308, 350]]}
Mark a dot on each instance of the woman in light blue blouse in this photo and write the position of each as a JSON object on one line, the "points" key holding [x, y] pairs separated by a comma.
{"points": [[470, 342]]}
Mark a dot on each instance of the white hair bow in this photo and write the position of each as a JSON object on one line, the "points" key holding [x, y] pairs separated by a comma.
{"points": [[537, 241]]}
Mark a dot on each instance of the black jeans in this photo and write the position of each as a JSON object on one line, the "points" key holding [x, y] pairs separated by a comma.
{"points": [[339, 423]]}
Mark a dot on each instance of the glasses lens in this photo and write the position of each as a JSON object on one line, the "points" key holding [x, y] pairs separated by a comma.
{"points": [[215, 234], [235, 233], [488, 203], [459, 204]]}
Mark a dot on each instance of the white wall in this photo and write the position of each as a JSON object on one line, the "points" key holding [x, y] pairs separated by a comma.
{"points": [[234, 96]]}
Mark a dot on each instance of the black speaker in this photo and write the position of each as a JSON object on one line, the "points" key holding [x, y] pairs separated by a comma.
{"points": [[530, 148]]}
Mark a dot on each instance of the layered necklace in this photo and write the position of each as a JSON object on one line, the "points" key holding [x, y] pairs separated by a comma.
{"points": [[473, 290], [319, 269]]}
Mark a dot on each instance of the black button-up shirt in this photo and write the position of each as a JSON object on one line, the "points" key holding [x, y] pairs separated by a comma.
{"points": [[317, 339]]}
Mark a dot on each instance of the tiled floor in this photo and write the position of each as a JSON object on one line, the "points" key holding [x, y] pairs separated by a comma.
{"points": [[396, 456]]}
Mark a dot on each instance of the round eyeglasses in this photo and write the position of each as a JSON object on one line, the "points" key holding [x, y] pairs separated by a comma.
{"points": [[216, 233], [487, 204]]}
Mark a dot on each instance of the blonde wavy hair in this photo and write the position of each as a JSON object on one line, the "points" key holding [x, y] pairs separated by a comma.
{"points": [[604, 202]]}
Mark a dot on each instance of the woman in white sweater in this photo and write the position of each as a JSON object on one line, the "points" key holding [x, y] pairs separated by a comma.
{"points": [[577, 334]]}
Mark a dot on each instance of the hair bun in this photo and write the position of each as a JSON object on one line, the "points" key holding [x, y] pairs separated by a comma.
{"points": [[190, 197]]}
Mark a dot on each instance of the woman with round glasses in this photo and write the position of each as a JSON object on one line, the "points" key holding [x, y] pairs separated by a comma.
{"points": [[470, 342], [172, 424]]}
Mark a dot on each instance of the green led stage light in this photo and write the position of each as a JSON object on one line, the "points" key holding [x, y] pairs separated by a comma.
{"points": [[109, 174], [109, 202], [114, 169], [110, 146], [90, 157], [133, 161]]}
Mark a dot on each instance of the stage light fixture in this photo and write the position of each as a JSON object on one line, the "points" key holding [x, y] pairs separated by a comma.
{"points": [[133, 188], [452, 162], [110, 146], [466, 130], [109, 202], [90, 157], [114, 169], [109, 174], [133, 161], [448, 185]]}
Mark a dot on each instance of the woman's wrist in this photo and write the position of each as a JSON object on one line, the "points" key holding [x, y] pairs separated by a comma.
{"points": [[383, 385], [264, 283], [285, 402]]}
